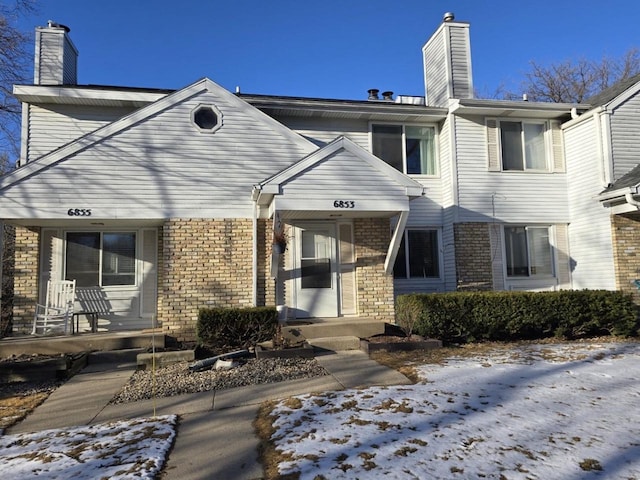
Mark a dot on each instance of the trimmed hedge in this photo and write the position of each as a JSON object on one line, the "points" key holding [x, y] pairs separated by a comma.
{"points": [[225, 329], [461, 317]]}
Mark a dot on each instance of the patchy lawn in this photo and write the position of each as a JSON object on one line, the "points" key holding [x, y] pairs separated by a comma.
{"points": [[119, 450], [529, 411]]}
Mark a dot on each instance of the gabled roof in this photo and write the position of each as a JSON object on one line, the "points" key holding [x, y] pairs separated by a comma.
{"points": [[615, 90], [164, 103], [272, 185]]}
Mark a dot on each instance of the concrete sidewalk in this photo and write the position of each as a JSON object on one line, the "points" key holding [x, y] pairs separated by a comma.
{"points": [[215, 436]]}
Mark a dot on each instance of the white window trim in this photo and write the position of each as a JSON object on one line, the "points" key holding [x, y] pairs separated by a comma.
{"points": [[548, 145], [436, 142], [531, 279], [138, 265], [216, 111]]}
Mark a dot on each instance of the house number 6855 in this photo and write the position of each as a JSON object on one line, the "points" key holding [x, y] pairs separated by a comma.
{"points": [[79, 212], [344, 204]]}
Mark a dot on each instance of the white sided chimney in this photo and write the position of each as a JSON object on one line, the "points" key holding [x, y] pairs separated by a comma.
{"points": [[447, 63], [56, 59]]}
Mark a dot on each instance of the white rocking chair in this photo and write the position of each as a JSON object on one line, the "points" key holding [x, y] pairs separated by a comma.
{"points": [[57, 312]]}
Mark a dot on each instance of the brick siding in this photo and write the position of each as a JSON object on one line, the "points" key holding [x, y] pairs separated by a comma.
{"points": [[205, 262], [375, 289], [473, 256], [25, 281], [626, 251]]}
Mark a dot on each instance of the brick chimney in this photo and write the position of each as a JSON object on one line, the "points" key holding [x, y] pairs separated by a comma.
{"points": [[56, 60], [447, 63]]}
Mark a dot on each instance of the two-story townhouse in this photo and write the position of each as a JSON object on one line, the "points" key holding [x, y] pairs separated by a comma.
{"points": [[161, 202]]}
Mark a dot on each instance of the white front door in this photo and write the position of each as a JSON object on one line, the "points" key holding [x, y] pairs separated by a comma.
{"points": [[316, 282]]}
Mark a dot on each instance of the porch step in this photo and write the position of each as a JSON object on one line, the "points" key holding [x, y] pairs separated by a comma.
{"points": [[335, 344], [333, 328], [29, 345]]}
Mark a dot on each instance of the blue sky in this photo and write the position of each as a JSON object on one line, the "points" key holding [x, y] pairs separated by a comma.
{"points": [[328, 48]]}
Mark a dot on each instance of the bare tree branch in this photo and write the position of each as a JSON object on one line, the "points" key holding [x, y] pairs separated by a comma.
{"points": [[573, 81], [15, 66]]}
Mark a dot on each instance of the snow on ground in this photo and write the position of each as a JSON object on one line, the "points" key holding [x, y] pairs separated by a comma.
{"points": [[537, 412], [127, 449]]}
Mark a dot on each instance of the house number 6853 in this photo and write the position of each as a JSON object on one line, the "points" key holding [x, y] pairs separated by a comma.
{"points": [[79, 212]]}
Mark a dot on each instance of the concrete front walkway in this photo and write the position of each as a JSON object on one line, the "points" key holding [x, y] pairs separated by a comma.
{"points": [[215, 437]]}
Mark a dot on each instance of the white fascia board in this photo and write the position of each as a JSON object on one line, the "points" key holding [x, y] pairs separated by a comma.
{"points": [[62, 95], [624, 96]]}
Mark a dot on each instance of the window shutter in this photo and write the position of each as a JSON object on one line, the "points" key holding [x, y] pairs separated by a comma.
{"points": [[492, 145], [563, 257], [556, 147]]}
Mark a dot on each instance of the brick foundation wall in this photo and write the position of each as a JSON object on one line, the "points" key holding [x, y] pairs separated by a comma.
{"points": [[204, 263], [25, 280], [375, 289], [626, 252], [473, 256]]}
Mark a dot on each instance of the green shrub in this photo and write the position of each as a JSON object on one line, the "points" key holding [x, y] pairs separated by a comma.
{"points": [[460, 317], [222, 330]]}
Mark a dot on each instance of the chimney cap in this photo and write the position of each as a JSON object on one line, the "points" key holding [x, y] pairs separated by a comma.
{"points": [[52, 24], [388, 95], [448, 17], [373, 93]]}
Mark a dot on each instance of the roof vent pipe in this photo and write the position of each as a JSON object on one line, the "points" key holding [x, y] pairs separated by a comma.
{"points": [[373, 94], [448, 17], [387, 95]]}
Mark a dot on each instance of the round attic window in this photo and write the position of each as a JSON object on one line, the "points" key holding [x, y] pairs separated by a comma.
{"points": [[207, 118]]}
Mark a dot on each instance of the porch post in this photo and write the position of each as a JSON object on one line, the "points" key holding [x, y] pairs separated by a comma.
{"points": [[394, 246]]}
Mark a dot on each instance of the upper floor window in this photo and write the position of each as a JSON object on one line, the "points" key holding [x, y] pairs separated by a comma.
{"points": [[418, 256], [524, 145], [528, 251], [410, 149]]}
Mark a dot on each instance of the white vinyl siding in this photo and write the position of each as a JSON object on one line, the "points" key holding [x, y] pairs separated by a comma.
{"points": [[157, 169], [57, 125], [507, 197], [590, 223], [460, 62], [342, 176], [625, 125], [322, 133], [436, 75]]}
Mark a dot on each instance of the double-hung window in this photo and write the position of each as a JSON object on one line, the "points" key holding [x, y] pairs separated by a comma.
{"points": [[410, 149], [418, 256], [523, 146], [528, 251], [101, 258]]}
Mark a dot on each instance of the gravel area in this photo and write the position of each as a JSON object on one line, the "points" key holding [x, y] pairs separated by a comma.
{"points": [[176, 379]]}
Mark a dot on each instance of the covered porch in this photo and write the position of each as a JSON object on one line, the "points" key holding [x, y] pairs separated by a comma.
{"points": [[342, 212]]}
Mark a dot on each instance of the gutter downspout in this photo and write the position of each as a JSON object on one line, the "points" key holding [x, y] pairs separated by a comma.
{"points": [[394, 246], [254, 262], [632, 201]]}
